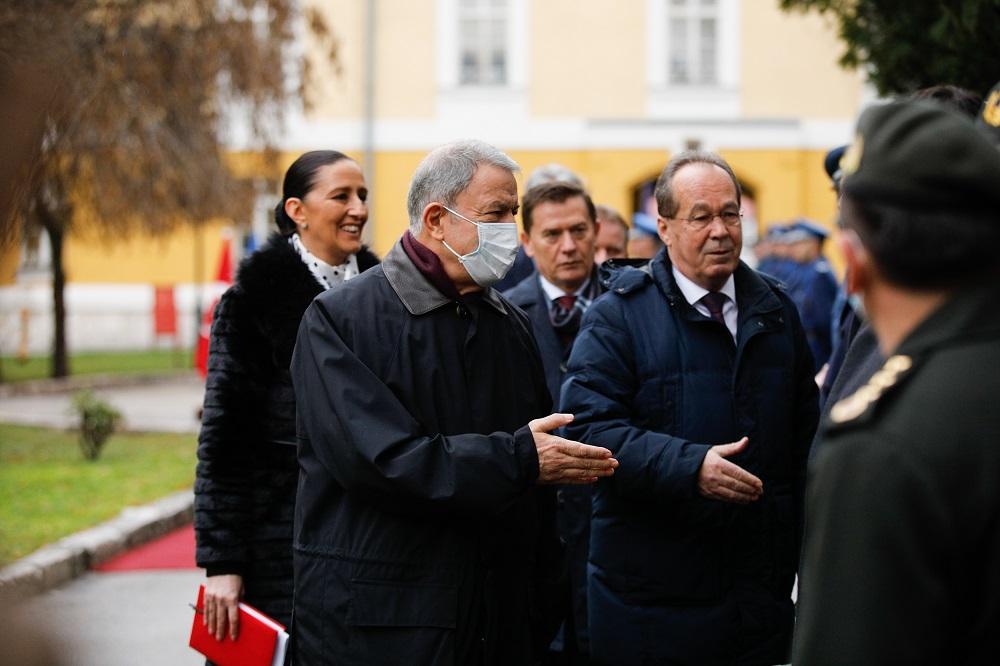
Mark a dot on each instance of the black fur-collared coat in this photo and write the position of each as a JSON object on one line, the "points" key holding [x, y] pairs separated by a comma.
{"points": [[247, 471]]}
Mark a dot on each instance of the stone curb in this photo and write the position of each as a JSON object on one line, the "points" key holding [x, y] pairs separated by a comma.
{"points": [[72, 556], [80, 382]]}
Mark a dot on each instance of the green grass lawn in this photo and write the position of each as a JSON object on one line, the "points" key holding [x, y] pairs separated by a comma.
{"points": [[13, 369], [48, 491]]}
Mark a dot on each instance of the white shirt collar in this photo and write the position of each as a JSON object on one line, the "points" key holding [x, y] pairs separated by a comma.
{"points": [[553, 292], [327, 275], [694, 293]]}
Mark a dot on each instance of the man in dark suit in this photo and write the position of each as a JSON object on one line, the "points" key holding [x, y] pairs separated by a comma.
{"points": [[560, 234]]}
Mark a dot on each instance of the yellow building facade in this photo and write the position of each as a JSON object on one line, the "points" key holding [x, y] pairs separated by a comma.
{"points": [[609, 88]]}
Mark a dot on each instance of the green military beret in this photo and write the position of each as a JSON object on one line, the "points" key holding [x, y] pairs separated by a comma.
{"points": [[919, 154]]}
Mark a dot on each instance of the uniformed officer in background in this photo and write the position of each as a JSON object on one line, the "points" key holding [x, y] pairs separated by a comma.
{"points": [[902, 549]]}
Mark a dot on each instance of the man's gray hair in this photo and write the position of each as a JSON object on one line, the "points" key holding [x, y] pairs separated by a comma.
{"points": [[666, 204], [446, 172], [552, 173]]}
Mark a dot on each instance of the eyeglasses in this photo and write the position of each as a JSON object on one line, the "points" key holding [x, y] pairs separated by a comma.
{"points": [[730, 218]]}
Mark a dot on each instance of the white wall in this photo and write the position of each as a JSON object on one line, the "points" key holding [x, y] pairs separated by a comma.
{"points": [[99, 317]]}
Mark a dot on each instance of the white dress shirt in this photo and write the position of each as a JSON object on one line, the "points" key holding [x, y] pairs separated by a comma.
{"points": [[693, 294], [553, 292]]}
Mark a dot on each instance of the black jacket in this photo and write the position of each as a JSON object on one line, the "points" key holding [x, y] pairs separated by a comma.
{"points": [[419, 533], [658, 383], [246, 475], [574, 501], [901, 561]]}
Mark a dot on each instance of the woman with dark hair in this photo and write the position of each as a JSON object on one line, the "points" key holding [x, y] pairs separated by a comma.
{"points": [[247, 471]]}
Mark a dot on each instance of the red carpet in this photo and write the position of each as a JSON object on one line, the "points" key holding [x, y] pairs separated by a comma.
{"points": [[174, 550]]}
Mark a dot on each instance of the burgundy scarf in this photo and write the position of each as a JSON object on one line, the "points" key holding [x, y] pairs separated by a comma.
{"points": [[430, 266]]}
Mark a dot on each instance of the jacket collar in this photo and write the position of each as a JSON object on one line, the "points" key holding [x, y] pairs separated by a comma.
{"points": [[754, 296], [969, 314], [416, 292]]}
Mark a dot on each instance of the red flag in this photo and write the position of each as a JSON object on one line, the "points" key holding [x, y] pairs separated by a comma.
{"points": [[224, 275]]}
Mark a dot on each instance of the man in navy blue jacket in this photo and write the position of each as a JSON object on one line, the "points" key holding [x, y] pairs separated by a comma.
{"points": [[696, 372]]}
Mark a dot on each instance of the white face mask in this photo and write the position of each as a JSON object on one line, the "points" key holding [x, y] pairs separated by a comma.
{"points": [[494, 256]]}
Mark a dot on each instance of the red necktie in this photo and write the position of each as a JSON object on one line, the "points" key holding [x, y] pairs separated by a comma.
{"points": [[714, 301], [566, 302]]}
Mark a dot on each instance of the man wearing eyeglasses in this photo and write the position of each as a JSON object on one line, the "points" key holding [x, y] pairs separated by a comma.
{"points": [[696, 373]]}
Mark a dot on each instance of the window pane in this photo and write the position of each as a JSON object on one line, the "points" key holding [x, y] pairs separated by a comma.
{"points": [[470, 68], [707, 50], [482, 47], [499, 67], [679, 66]]}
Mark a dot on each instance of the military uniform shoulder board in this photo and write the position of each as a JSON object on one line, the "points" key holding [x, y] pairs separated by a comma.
{"points": [[862, 401]]}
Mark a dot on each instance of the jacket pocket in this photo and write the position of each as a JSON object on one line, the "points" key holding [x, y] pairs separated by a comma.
{"points": [[401, 623], [376, 603]]}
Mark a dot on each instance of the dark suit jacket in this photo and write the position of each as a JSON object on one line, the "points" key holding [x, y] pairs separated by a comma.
{"points": [[529, 296], [573, 516]]}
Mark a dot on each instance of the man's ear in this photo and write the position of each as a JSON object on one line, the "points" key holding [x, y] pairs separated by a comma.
{"points": [[526, 244], [858, 264], [661, 229], [433, 220]]}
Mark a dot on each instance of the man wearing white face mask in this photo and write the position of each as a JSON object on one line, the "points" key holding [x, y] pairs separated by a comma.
{"points": [[421, 535]]}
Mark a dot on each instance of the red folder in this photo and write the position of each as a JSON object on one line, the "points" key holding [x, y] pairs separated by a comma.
{"points": [[261, 640]]}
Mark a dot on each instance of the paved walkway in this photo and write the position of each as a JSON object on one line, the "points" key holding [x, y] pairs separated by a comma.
{"points": [[124, 618], [167, 406], [135, 609]]}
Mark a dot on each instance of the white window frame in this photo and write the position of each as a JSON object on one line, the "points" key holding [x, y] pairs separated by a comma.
{"points": [[718, 100], [449, 71]]}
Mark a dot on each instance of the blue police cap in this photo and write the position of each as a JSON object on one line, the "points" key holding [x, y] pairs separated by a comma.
{"points": [[804, 228], [645, 223], [831, 163]]}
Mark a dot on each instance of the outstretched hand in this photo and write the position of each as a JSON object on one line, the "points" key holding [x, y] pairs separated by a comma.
{"points": [[563, 461], [722, 480]]}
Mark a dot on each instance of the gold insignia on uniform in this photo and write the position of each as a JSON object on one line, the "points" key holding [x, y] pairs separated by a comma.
{"points": [[991, 110], [898, 364], [851, 159], [848, 409], [857, 404]]}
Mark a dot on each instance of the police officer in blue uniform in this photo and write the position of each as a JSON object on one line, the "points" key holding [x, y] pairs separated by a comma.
{"points": [[811, 284]]}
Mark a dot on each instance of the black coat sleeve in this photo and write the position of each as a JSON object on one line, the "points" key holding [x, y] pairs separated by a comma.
{"points": [[373, 446], [223, 480]]}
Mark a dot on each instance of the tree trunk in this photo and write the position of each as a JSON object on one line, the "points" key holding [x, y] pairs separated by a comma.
{"points": [[60, 359], [51, 212]]}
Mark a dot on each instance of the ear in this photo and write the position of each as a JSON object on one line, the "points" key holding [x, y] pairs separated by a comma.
{"points": [[858, 272], [433, 220], [661, 229], [526, 244], [295, 209]]}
